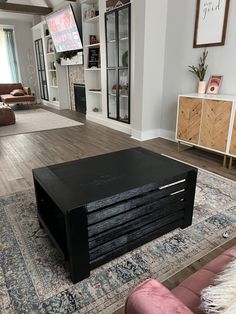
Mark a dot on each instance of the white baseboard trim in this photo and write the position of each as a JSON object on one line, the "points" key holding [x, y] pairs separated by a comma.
{"points": [[168, 135], [151, 134], [51, 105], [146, 135], [118, 126]]}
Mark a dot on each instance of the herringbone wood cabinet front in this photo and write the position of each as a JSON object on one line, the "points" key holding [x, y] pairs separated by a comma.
{"points": [[189, 119], [233, 140], [215, 124], [205, 122]]}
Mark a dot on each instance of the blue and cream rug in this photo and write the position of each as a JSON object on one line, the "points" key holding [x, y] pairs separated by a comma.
{"points": [[32, 274]]}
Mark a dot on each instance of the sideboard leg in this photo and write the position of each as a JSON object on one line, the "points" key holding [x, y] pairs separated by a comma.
{"points": [[230, 163], [225, 161], [178, 147]]}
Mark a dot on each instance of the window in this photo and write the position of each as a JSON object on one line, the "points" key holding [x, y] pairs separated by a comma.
{"points": [[9, 72]]}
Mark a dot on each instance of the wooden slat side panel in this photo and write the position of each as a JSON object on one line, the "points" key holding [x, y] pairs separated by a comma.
{"points": [[134, 235], [134, 224], [189, 118], [233, 140], [139, 212], [122, 207], [133, 244], [215, 124]]}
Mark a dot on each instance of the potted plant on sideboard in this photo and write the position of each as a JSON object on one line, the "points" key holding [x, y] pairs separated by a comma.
{"points": [[200, 71]]}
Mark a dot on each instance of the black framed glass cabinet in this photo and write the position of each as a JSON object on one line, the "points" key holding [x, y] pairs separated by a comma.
{"points": [[41, 69], [118, 63]]}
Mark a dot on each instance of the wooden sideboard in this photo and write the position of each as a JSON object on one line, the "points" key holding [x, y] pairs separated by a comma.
{"points": [[209, 122]]}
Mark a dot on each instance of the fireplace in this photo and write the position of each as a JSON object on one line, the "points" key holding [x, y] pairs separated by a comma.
{"points": [[80, 98]]}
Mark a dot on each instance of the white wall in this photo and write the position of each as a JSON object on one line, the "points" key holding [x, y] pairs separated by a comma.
{"points": [[148, 51], [179, 54], [24, 45]]}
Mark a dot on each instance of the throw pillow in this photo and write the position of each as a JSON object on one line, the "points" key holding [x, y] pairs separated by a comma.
{"points": [[221, 298], [17, 92]]}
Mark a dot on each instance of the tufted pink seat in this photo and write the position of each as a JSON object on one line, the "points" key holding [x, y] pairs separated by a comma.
{"points": [[150, 297]]}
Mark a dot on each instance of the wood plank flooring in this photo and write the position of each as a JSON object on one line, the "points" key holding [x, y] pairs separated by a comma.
{"points": [[19, 154]]}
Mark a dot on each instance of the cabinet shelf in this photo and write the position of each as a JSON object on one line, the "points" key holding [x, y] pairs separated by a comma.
{"points": [[95, 69], [124, 38], [92, 20], [93, 45], [95, 92]]}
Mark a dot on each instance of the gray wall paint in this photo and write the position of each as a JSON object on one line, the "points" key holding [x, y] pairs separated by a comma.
{"points": [[24, 44], [179, 54]]}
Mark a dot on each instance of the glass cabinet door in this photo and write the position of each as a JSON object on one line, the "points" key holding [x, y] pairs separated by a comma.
{"points": [[112, 94], [111, 40], [123, 18], [118, 65], [41, 69], [124, 95]]}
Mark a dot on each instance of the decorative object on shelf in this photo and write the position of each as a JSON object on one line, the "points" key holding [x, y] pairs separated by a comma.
{"points": [[89, 13], [50, 47], [95, 109], [214, 84], [125, 90], [113, 4], [94, 58], [54, 79], [125, 59], [67, 55], [93, 39], [211, 15], [114, 88], [200, 72]]}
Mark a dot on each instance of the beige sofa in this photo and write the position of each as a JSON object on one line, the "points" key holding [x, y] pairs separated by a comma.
{"points": [[7, 98]]}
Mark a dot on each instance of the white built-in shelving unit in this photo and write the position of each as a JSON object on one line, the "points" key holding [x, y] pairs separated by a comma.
{"points": [[93, 76], [56, 75], [96, 78]]}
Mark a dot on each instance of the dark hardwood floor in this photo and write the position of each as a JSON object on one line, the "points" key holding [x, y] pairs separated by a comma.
{"points": [[19, 154]]}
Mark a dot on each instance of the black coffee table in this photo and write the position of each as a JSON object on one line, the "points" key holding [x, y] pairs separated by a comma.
{"points": [[99, 208]]}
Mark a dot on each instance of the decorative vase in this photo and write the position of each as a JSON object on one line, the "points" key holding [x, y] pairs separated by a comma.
{"points": [[202, 87]]}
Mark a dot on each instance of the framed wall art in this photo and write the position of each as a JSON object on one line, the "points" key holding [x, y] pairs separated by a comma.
{"points": [[214, 84], [211, 23]]}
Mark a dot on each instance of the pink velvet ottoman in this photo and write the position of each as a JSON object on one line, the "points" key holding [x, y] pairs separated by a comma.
{"points": [[151, 297]]}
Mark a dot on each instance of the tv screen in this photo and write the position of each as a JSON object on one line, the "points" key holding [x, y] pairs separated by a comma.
{"points": [[64, 31]]}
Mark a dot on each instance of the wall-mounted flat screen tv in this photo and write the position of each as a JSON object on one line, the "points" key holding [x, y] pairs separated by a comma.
{"points": [[64, 30]]}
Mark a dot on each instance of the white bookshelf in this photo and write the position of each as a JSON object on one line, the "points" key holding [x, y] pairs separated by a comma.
{"points": [[94, 77], [56, 75]]}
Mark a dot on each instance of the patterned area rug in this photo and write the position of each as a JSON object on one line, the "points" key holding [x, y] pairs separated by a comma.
{"points": [[32, 274]]}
